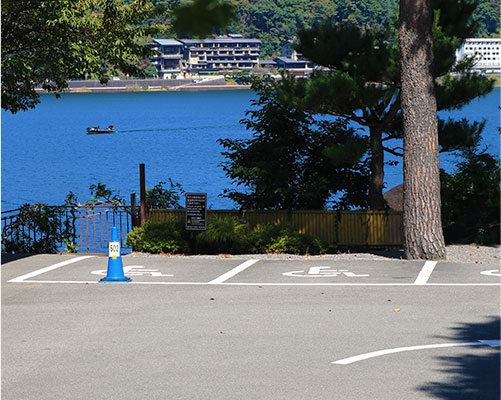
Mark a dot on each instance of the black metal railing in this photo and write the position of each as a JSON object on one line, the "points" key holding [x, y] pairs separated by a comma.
{"points": [[40, 228]]}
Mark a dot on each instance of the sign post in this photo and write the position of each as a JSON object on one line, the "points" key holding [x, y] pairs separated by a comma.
{"points": [[196, 211], [142, 190]]}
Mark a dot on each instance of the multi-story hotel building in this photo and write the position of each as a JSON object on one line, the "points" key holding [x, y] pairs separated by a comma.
{"points": [[292, 61], [169, 61], [486, 51], [195, 56]]}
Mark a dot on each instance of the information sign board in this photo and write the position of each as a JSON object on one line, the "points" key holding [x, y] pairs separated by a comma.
{"points": [[196, 211]]}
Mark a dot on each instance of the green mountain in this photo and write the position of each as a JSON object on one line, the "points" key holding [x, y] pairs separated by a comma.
{"points": [[275, 21]]}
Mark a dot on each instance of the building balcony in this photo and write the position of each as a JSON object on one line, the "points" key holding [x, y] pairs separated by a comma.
{"points": [[222, 48], [171, 56], [169, 67]]}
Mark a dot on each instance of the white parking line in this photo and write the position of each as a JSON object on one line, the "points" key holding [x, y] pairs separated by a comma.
{"points": [[47, 269], [173, 283], [233, 272], [350, 284], [121, 283], [426, 271], [360, 357], [421, 280]]}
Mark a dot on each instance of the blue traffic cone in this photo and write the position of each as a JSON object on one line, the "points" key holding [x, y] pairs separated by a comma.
{"points": [[115, 266]]}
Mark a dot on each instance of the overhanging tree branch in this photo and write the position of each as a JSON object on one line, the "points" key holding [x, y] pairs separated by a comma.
{"points": [[393, 151]]}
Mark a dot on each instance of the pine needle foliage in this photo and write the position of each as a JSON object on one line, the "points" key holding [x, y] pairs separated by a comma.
{"points": [[293, 161], [360, 80]]}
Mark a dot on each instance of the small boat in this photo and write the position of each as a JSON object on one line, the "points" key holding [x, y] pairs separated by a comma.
{"points": [[97, 129]]}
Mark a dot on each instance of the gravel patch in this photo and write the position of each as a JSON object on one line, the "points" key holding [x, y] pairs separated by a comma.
{"points": [[474, 254], [467, 254]]}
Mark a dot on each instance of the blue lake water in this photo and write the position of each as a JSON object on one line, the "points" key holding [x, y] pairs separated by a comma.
{"points": [[46, 152]]}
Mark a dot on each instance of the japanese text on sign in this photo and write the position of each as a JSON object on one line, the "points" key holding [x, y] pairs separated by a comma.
{"points": [[196, 211]]}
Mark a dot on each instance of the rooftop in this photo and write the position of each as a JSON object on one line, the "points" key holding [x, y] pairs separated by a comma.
{"points": [[167, 42], [483, 40], [286, 60], [220, 40]]}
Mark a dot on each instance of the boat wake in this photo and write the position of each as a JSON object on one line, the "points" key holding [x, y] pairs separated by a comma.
{"points": [[177, 129]]}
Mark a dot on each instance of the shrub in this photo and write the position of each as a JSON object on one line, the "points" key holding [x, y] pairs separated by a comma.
{"points": [[164, 198], [291, 241], [275, 239], [224, 235], [159, 237], [38, 228], [263, 235], [470, 200]]}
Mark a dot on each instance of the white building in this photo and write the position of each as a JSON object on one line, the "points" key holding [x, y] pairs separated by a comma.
{"points": [[292, 61], [289, 52], [203, 56], [486, 51]]}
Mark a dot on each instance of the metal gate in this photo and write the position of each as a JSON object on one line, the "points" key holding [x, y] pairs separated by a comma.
{"points": [[47, 229], [95, 223]]}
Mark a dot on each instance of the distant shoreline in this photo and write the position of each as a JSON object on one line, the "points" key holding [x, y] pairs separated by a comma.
{"points": [[129, 89], [149, 85]]}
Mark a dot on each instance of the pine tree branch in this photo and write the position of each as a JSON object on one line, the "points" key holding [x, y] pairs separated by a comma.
{"points": [[359, 120], [394, 152], [392, 112]]}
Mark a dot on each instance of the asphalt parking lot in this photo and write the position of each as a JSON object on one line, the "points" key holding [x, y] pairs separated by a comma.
{"points": [[236, 328]]}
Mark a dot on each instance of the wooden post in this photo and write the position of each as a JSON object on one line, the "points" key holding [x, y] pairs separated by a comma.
{"points": [[133, 210], [142, 186]]}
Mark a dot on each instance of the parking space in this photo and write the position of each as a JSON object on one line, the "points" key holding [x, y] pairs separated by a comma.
{"points": [[239, 328], [328, 272], [466, 274], [240, 271], [144, 270]]}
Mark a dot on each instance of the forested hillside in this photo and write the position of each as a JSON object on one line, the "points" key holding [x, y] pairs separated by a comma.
{"points": [[275, 21]]}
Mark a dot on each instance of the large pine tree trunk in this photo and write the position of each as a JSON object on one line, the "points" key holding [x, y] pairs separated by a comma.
{"points": [[423, 236], [376, 165]]}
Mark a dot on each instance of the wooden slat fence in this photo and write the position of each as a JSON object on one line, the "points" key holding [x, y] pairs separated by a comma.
{"points": [[337, 228]]}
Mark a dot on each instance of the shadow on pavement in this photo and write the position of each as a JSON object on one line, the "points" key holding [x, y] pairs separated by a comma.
{"points": [[470, 376], [396, 253], [7, 258]]}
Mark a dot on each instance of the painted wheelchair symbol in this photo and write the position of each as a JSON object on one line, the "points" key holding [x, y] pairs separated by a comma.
{"points": [[323, 272], [135, 270]]}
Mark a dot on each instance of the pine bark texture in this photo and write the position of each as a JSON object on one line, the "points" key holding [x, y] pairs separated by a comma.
{"points": [[423, 235], [376, 199]]}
